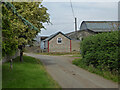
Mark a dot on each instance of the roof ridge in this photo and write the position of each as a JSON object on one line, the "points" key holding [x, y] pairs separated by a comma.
{"points": [[53, 35]]}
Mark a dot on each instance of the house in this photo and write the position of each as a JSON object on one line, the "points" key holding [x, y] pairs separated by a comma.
{"points": [[58, 42], [88, 28]]}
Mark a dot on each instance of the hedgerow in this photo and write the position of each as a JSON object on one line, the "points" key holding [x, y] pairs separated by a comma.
{"points": [[101, 51]]}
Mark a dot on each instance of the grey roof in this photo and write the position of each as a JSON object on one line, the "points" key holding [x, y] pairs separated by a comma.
{"points": [[99, 26], [53, 35]]}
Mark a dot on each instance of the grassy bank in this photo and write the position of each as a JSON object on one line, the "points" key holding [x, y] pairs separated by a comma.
{"points": [[29, 74], [59, 53], [105, 74]]}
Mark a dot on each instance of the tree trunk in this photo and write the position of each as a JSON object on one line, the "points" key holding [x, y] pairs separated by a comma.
{"points": [[11, 64], [21, 55]]}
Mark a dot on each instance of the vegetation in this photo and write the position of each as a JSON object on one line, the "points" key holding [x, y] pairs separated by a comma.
{"points": [[16, 34], [9, 43], [29, 74], [100, 55], [77, 55], [60, 53], [106, 74], [101, 51]]}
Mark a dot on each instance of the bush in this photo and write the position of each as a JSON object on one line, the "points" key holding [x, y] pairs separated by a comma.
{"points": [[101, 51]]}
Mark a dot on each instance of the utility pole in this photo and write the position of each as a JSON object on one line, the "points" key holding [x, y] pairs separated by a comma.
{"points": [[76, 28], [75, 24]]}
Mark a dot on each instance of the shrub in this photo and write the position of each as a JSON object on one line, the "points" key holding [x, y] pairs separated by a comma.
{"points": [[101, 51]]}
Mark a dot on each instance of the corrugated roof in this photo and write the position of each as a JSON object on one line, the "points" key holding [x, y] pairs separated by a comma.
{"points": [[53, 35], [99, 26]]}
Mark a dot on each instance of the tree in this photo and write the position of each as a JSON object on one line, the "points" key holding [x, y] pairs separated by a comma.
{"points": [[9, 43], [36, 14]]}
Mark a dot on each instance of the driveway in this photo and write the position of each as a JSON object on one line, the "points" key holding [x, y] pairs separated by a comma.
{"points": [[70, 76]]}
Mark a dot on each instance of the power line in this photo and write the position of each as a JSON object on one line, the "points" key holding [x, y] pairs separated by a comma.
{"points": [[75, 20], [72, 9]]}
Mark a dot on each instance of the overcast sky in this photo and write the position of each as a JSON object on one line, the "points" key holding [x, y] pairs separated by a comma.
{"points": [[62, 18]]}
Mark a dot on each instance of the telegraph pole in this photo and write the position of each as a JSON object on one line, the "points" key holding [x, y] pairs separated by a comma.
{"points": [[75, 24], [76, 27]]}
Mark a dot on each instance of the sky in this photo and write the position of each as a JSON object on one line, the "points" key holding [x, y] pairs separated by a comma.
{"points": [[62, 19]]}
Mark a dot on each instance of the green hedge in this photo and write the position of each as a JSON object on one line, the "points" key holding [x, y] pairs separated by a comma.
{"points": [[101, 51]]}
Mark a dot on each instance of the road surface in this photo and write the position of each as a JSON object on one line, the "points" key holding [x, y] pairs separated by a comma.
{"points": [[71, 76]]}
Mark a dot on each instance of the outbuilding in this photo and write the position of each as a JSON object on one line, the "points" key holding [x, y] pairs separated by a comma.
{"points": [[88, 28], [58, 42]]}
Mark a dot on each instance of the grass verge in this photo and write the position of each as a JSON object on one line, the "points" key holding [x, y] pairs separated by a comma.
{"points": [[105, 74], [59, 53], [28, 74], [77, 55]]}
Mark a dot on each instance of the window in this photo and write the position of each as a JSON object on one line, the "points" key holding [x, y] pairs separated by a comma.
{"points": [[59, 40]]}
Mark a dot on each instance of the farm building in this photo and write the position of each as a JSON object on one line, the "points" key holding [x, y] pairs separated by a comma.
{"points": [[41, 41], [93, 27], [58, 42]]}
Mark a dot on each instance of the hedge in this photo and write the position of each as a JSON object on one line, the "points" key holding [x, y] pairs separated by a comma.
{"points": [[101, 51]]}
